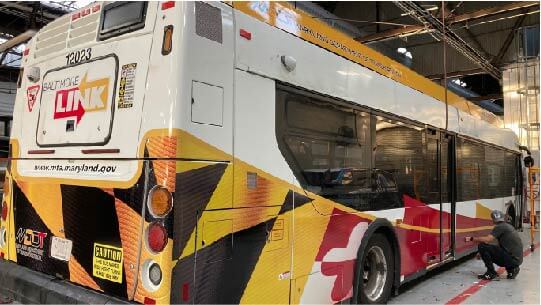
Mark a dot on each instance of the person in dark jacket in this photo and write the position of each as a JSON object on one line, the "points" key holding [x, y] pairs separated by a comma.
{"points": [[508, 252]]}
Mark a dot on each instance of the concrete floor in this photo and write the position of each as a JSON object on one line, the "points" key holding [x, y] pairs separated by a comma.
{"points": [[451, 284]]}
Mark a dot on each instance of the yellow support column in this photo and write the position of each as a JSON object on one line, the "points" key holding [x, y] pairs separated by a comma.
{"points": [[532, 185]]}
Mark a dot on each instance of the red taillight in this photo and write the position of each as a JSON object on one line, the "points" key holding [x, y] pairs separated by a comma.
{"points": [[26, 52], [157, 237], [4, 211], [149, 301]]}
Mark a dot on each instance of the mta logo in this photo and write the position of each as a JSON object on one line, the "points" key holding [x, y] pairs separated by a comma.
{"points": [[87, 97], [31, 238]]}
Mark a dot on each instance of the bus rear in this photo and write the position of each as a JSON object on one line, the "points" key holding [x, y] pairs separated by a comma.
{"points": [[78, 182]]}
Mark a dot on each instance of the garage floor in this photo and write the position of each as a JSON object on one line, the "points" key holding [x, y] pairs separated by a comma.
{"points": [[458, 283]]}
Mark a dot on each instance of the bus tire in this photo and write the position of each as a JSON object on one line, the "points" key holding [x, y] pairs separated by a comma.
{"points": [[376, 270]]}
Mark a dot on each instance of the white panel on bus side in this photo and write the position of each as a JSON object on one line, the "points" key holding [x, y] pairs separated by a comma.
{"points": [[255, 120], [208, 65], [207, 104]]}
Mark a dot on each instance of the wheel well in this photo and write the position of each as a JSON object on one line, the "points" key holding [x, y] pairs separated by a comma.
{"points": [[384, 227], [390, 234]]}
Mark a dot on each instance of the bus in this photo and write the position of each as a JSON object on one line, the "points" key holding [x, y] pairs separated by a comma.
{"points": [[245, 152]]}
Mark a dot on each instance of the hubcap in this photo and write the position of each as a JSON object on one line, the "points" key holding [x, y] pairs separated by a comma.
{"points": [[374, 273]]}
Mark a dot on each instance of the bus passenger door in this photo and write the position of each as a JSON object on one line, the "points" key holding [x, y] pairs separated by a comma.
{"points": [[432, 217], [438, 240], [447, 201]]}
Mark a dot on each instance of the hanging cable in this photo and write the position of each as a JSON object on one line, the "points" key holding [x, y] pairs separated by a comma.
{"points": [[444, 42]]}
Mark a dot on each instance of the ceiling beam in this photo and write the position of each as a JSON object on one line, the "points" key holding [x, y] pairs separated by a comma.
{"points": [[507, 43], [413, 29], [28, 9], [444, 32], [494, 11], [17, 40], [456, 74]]}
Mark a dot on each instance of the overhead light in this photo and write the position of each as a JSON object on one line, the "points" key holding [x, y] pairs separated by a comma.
{"points": [[459, 82], [401, 50], [408, 54]]}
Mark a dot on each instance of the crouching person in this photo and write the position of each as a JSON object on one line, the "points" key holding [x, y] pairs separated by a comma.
{"points": [[508, 252]]}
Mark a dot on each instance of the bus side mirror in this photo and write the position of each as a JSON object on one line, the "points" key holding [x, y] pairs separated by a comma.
{"points": [[528, 161]]}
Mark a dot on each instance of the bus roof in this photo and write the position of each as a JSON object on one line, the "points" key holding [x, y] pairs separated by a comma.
{"points": [[284, 16]]}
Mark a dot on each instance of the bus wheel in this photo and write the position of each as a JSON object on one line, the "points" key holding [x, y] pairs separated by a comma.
{"points": [[376, 271]]}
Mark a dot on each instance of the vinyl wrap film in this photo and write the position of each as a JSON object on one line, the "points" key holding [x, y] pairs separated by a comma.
{"points": [[229, 242]]}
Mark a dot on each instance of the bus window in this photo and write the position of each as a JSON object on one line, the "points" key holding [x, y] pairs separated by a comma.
{"points": [[509, 177], [122, 17], [494, 158], [399, 150], [327, 148], [470, 159]]}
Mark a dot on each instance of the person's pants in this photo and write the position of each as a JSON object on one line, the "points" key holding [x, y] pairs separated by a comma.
{"points": [[492, 254]]}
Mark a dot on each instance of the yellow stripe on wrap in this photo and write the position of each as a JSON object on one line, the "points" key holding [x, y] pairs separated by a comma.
{"points": [[482, 212], [46, 199]]}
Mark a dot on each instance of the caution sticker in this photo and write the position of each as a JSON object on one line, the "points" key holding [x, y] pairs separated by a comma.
{"points": [[127, 86], [107, 262]]}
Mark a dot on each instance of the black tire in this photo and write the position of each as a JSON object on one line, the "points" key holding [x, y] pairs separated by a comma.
{"points": [[378, 245]]}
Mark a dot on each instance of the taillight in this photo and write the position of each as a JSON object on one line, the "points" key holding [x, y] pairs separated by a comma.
{"points": [[3, 237], [155, 274], [5, 187], [4, 211], [160, 201], [151, 276], [156, 237]]}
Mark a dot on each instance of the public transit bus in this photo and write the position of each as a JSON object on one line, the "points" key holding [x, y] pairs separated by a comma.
{"points": [[192, 152]]}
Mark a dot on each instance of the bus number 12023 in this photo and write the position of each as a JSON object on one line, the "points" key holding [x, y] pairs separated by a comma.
{"points": [[78, 56]]}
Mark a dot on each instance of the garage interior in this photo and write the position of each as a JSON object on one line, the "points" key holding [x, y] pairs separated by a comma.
{"points": [[484, 51]]}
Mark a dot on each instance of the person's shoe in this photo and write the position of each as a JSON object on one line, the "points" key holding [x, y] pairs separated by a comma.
{"points": [[511, 274], [489, 276]]}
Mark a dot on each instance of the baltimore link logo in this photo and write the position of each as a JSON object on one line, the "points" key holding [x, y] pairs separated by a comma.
{"points": [[90, 95]]}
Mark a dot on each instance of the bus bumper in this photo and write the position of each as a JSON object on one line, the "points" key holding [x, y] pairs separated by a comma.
{"points": [[28, 286]]}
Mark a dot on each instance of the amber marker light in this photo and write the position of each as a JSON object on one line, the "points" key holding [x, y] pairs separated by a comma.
{"points": [[167, 44], [160, 202]]}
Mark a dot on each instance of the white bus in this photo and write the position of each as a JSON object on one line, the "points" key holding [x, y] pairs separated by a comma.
{"points": [[193, 152]]}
